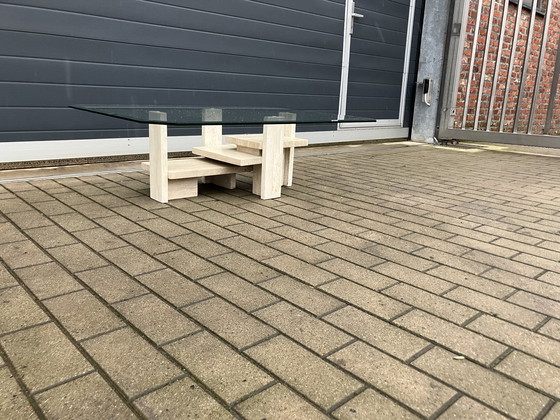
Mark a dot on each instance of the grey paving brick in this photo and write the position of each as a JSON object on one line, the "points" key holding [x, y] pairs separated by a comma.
{"points": [[456, 338], [159, 321], [503, 263], [149, 242], [468, 409], [244, 267], [485, 385], [303, 252], [181, 399], [321, 382], [365, 299], [92, 210], [302, 295], [199, 245], [216, 218], [82, 314], [354, 255], [415, 389], [226, 372], [537, 303], [238, 291], [539, 287], [18, 310], [357, 274], [554, 413], [533, 372], [250, 248], [111, 284], [550, 277], [168, 224], [519, 338], [9, 233], [131, 361], [434, 243], [13, 403], [414, 278], [13, 205], [431, 303], [174, 287], [299, 223], [301, 270], [312, 332], [230, 323], [43, 356], [551, 328], [278, 402], [496, 307], [22, 254], [50, 236], [371, 404], [381, 334], [100, 239], [120, 225], [86, 397], [134, 213], [77, 257], [479, 283], [299, 235], [132, 260], [6, 279], [189, 264], [74, 222], [48, 280], [348, 239], [209, 230], [461, 263]]}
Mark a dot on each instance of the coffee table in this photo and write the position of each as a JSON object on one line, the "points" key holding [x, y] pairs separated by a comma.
{"points": [[272, 160]]}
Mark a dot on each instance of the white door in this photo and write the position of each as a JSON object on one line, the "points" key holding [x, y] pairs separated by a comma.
{"points": [[376, 56]]}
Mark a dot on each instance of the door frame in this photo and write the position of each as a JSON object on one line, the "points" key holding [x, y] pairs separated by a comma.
{"points": [[346, 49]]}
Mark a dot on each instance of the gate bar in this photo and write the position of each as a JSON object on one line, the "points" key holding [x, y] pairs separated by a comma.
{"points": [[521, 94], [484, 65], [498, 66], [511, 61], [544, 39], [554, 90], [471, 67]]}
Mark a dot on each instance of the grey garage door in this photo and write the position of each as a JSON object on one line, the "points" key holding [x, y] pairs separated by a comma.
{"points": [[284, 53]]}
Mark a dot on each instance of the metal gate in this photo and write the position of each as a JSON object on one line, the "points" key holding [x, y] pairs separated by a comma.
{"points": [[502, 71]]}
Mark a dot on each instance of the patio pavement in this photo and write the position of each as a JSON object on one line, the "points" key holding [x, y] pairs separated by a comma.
{"points": [[392, 281]]}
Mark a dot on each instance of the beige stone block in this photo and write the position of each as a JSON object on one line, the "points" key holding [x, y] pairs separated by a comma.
{"points": [[18, 310]]}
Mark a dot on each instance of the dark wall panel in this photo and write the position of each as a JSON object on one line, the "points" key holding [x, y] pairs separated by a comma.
{"points": [[281, 53]]}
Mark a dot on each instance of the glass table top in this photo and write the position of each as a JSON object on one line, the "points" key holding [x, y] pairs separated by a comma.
{"points": [[183, 115]]}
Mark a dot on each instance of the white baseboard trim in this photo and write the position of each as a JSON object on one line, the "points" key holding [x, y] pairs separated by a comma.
{"points": [[70, 149]]}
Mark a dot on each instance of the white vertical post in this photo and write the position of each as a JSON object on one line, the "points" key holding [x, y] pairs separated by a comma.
{"points": [[159, 186], [212, 134], [289, 152], [271, 175]]}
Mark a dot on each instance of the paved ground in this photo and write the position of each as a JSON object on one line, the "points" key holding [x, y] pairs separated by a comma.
{"points": [[391, 281]]}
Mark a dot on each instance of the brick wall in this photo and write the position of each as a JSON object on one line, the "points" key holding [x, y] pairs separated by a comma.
{"points": [[486, 79]]}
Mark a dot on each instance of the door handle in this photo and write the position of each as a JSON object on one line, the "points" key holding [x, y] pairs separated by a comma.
{"points": [[354, 15]]}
